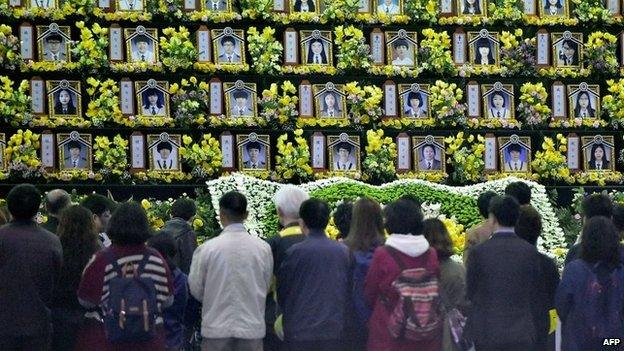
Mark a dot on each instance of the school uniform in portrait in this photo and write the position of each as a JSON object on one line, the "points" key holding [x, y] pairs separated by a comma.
{"points": [[484, 52], [304, 6], [471, 7], [216, 5], [402, 48], [498, 106], [388, 7], [515, 163], [142, 49], [584, 106], [75, 155], [255, 156], [331, 105], [568, 53], [598, 157], [229, 51], [415, 105], [44, 4], [553, 8], [428, 161], [54, 48], [239, 104], [343, 157], [153, 103], [316, 52], [165, 156], [130, 5], [65, 102]]}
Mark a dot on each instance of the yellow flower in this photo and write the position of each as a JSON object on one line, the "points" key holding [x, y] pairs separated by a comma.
{"points": [[146, 204]]}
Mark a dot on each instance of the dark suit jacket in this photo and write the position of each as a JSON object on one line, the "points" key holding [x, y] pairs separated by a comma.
{"points": [[502, 285], [605, 164]]}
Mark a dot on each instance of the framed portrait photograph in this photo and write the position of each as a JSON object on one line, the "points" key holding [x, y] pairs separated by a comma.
{"points": [[44, 4], [401, 48], [304, 6], [365, 6], [240, 99], [316, 47], [330, 101], [228, 46], [584, 100], [515, 154], [344, 153], [53, 43], [3, 160], [217, 5], [64, 98], [567, 49], [483, 47], [141, 44], [74, 150], [553, 8], [130, 5], [163, 151], [152, 98], [429, 154], [498, 101], [598, 153], [389, 7], [254, 152], [476, 8], [414, 100]]}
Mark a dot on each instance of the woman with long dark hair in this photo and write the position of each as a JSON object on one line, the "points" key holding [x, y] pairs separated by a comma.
{"points": [[64, 104], [316, 52], [483, 52], [583, 107], [590, 298], [304, 6], [598, 157], [452, 274], [472, 7], [79, 239]]}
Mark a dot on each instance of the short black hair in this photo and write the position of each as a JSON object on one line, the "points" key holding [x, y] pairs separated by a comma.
{"points": [[346, 146], [98, 204], [74, 144], [618, 217], [142, 37], [520, 191], [164, 145], [514, 147], [129, 225], [600, 241], [400, 42], [228, 38], [413, 198], [55, 37], [165, 244], [151, 91], [505, 210], [529, 225], [483, 202], [342, 218], [56, 200], [23, 201], [183, 208], [234, 205], [314, 213], [597, 205], [253, 145], [403, 216], [240, 94], [415, 95]]}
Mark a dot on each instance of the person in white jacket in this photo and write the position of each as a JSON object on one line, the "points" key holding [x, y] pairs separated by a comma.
{"points": [[231, 276]]}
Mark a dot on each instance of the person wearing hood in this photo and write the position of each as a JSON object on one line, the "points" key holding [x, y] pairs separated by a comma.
{"points": [[404, 220], [182, 212]]}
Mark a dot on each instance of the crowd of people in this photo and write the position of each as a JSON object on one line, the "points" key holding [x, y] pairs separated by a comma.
{"points": [[96, 277]]}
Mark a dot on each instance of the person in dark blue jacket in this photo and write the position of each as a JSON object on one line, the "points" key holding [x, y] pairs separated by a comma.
{"points": [[312, 285], [173, 315]]}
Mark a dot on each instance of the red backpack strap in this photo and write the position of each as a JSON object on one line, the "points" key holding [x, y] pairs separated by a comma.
{"points": [[394, 253]]}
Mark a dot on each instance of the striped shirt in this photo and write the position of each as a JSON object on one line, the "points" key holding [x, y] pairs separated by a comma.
{"points": [[94, 285]]}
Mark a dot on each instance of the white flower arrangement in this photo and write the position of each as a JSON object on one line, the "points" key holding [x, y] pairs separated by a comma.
{"points": [[260, 192]]}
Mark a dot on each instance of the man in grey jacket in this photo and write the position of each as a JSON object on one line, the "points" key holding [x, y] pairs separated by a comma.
{"points": [[182, 212]]}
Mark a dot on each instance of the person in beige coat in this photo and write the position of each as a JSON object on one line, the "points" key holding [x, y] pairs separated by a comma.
{"points": [[482, 231]]}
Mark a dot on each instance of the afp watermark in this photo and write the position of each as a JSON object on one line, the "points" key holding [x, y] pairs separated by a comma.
{"points": [[611, 342]]}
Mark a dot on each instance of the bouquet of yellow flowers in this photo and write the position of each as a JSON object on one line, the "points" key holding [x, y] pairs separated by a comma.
{"points": [[292, 162], [353, 52], [204, 157], [15, 104], [178, 51], [266, 51], [378, 166], [21, 154], [112, 156], [550, 163], [466, 155]]}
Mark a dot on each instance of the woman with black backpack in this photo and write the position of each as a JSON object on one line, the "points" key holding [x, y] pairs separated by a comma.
{"points": [[402, 285], [590, 297]]}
